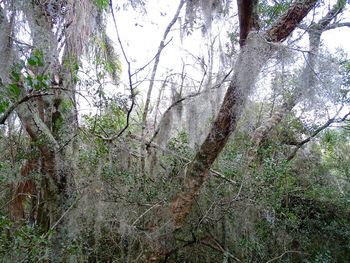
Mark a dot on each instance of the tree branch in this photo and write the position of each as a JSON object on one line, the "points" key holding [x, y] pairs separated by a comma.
{"points": [[10, 109], [253, 56], [156, 63], [151, 83], [315, 133], [337, 25], [156, 146], [132, 93], [284, 253], [179, 101]]}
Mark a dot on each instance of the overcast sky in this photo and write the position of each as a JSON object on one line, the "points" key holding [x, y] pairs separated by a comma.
{"points": [[142, 33]]}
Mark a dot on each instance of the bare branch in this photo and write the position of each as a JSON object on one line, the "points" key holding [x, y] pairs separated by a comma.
{"points": [[176, 103], [149, 62], [332, 13], [316, 132], [337, 25], [284, 253], [132, 93], [156, 146], [156, 63]]}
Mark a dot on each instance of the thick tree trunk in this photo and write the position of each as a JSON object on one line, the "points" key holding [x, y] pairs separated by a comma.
{"points": [[6, 51], [56, 191], [220, 132]]}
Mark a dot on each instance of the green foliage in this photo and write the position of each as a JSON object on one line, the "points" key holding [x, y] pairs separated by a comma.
{"points": [[298, 203], [4, 104], [72, 65], [21, 244], [179, 145], [14, 90], [23, 78], [37, 83], [66, 105], [335, 152], [105, 58], [345, 73], [112, 120], [36, 58], [341, 4], [268, 206], [102, 4]]}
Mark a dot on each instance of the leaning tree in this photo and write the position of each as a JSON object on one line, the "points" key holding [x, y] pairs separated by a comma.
{"points": [[257, 47]]}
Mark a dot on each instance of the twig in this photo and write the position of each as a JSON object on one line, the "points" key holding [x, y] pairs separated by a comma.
{"points": [[337, 25], [284, 253], [156, 62], [62, 216], [149, 62], [151, 83], [180, 101], [317, 131], [144, 213], [132, 94]]}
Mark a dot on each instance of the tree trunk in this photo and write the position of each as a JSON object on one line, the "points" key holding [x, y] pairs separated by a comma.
{"points": [[254, 54]]}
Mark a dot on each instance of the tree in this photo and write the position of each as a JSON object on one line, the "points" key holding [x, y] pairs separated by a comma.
{"points": [[256, 50], [39, 81]]}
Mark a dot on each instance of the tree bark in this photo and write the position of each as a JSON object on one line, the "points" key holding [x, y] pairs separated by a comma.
{"points": [[248, 19], [23, 189]]}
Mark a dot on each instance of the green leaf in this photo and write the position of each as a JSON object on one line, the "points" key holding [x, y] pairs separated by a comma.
{"points": [[14, 90], [36, 58], [15, 76], [4, 104], [102, 4], [36, 84], [32, 61], [39, 57], [28, 82]]}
